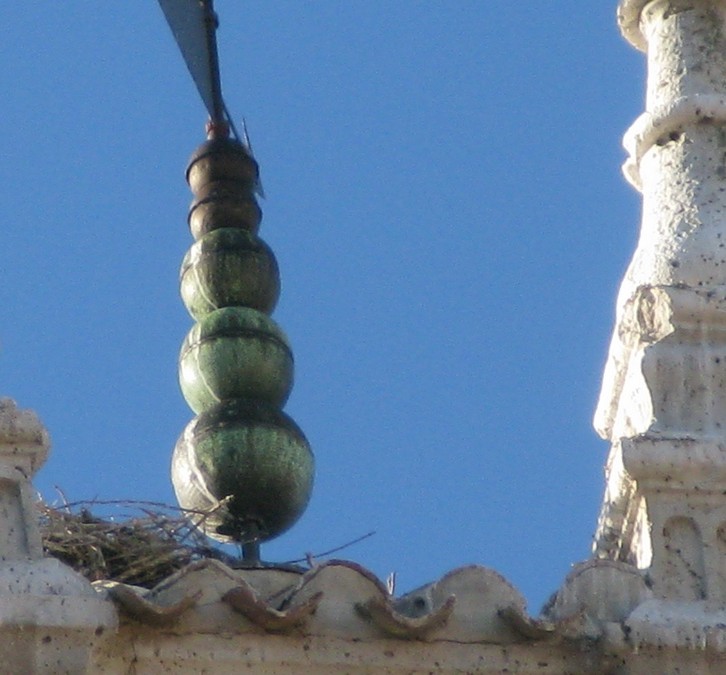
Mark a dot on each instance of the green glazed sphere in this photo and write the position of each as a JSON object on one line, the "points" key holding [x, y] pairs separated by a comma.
{"points": [[226, 268], [235, 352], [254, 456]]}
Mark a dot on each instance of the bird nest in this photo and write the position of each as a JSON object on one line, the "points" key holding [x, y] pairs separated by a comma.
{"points": [[141, 544]]}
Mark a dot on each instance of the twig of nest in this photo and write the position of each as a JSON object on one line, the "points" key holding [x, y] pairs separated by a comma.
{"points": [[143, 544], [141, 549]]}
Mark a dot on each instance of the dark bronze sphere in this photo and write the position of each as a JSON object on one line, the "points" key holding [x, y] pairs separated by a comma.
{"points": [[224, 204], [222, 159], [223, 177]]}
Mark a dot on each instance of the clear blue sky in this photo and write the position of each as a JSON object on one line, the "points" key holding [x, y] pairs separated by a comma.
{"points": [[445, 200]]}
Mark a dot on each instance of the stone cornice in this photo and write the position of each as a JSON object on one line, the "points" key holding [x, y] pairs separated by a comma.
{"points": [[629, 21], [666, 124]]}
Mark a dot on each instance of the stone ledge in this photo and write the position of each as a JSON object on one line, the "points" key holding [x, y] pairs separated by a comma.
{"points": [[228, 654], [696, 463]]}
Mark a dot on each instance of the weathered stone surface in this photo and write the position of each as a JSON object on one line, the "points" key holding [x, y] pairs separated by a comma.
{"points": [[663, 400], [24, 442], [344, 587], [152, 653], [50, 617], [676, 159], [480, 596], [662, 403], [209, 583], [604, 590]]}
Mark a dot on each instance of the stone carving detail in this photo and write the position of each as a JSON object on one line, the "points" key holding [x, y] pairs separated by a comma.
{"points": [[685, 573], [244, 600], [384, 615], [340, 599], [483, 598], [50, 617], [595, 593], [137, 607], [720, 552]]}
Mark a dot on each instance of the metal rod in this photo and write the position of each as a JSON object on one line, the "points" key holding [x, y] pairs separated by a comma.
{"points": [[251, 552], [210, 21], [251, 543]]}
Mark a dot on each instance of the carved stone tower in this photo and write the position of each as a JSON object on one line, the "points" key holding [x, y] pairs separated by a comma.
{"points": [[663, 399]]}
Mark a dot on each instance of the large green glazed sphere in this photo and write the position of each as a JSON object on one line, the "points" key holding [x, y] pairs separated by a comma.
{"points": [[251, 454], [226, 268], [235, 352]]}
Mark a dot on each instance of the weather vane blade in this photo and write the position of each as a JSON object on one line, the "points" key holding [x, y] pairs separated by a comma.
{"points": [[194, 25]]}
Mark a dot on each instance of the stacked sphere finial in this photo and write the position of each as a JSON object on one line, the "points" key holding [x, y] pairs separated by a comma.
{"points": [[241, 459]]}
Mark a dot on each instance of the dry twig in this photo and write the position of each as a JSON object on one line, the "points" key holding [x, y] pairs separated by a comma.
{"points": [[142, 544], [141, 549]]}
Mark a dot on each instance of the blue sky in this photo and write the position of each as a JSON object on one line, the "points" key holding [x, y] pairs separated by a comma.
{"points": [[445, 201]]}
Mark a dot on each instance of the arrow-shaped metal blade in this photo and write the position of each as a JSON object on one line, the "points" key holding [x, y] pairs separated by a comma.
{"points": [[193, 24]]}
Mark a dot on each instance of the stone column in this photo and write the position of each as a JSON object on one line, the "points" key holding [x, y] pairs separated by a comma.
{"points": [[663, 399], [50, 617]]}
